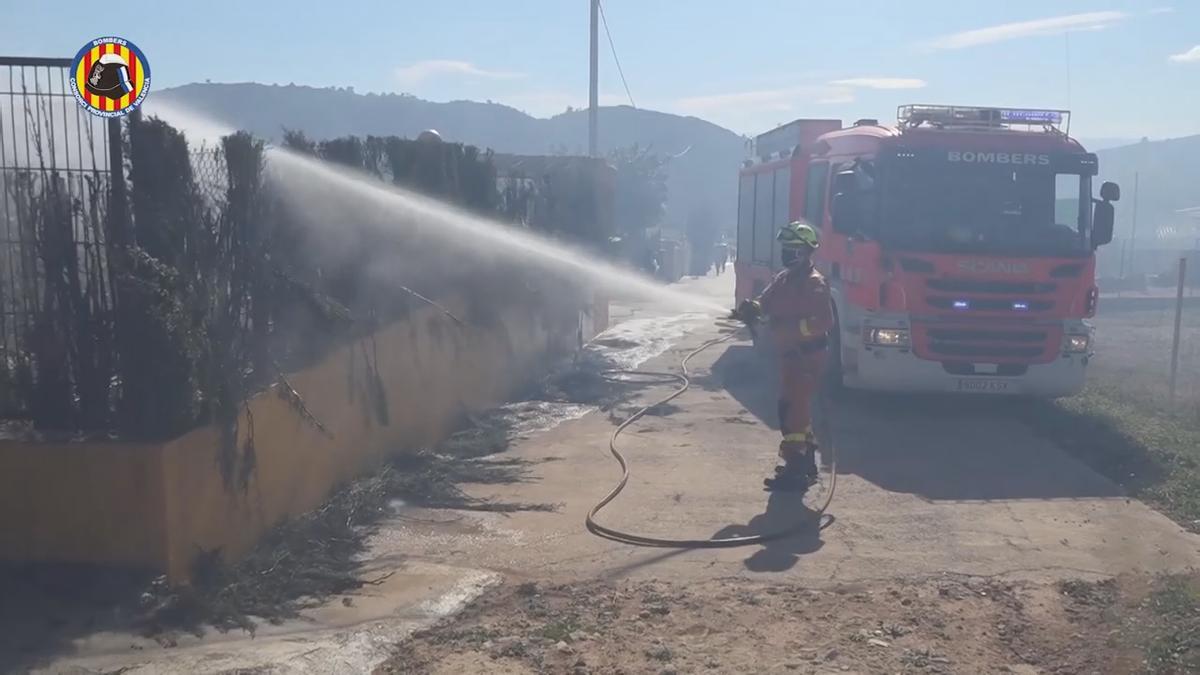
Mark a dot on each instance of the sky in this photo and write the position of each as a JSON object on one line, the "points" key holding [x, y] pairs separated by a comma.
{"points": [[1126, 69]]}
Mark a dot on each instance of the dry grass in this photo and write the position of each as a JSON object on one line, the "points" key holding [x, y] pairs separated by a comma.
{"points": [[1124, 424], [1134, 357]]}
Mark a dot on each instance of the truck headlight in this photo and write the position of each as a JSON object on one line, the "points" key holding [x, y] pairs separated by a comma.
{"points": [[887, 337], [1077, 344]]}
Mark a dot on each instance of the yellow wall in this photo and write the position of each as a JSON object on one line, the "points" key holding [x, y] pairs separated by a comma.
{"points": [[100, 502], [160, 505]]}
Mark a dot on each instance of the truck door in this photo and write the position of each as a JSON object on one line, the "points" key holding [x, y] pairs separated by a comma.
{"points": [[815, 192]]}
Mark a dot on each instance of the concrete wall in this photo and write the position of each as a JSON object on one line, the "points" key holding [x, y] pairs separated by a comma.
{"points": [[158, 505]]}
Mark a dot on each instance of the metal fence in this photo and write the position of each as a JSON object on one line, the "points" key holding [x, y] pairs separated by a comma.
{"points": [[56, 298], [147, 286], [1138, 347]]}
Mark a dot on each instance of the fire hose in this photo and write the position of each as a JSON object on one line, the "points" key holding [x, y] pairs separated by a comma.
{"points": [[819, 517]]}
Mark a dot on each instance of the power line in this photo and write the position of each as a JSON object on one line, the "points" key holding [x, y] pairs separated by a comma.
{"points": [[1067, 38], [613, 47]]}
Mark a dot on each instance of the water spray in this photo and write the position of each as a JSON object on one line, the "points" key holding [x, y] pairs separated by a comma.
{"points": [[294, 172], [308, 182], [298, 175]]}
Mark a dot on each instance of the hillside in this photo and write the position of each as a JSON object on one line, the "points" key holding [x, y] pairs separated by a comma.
{"points": [[703, 177], [1168, 180]]}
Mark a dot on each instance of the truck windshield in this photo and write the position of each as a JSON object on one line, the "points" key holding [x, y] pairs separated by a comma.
{"points": [[1029, 211]]}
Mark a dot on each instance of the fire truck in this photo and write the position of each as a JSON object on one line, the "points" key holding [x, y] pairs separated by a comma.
{"points": [[959, 244]]}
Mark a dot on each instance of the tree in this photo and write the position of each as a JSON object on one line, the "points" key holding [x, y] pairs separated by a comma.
{"points": [[641, 189], [703, 231]]}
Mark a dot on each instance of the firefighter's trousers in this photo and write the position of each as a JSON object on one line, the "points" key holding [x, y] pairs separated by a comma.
{"points": [[801, 371]]}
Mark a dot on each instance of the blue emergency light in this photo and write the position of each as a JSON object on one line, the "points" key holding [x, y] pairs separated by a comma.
{"points": [[961, 304], [1031, 116], [1020, 306]]}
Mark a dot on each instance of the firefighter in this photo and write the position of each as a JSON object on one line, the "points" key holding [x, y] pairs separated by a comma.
{"points": [[799, 315]]}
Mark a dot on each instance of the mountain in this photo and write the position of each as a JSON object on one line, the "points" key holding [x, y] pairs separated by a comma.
{"points": [[702, 174], [1096, 144], [703, 177], [1168, 179]]}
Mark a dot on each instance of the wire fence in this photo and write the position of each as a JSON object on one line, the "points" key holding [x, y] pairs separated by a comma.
{"points": [[1134, 348], [56, 297], [147, 286]]}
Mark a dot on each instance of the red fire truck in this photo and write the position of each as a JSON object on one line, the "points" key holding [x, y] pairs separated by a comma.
{"points": [[959, 244]]}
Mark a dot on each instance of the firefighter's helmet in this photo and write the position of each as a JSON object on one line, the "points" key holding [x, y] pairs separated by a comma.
{"points": [[797, 235], [109, 77]]}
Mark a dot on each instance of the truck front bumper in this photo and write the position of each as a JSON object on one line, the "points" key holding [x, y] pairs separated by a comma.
{"points": [[884, 369]]}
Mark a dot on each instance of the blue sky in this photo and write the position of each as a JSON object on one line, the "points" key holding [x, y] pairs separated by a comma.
{"points": [[748, 65]]}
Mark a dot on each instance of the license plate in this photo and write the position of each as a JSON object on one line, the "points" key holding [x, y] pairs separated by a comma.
{"points": [[984, 386]]}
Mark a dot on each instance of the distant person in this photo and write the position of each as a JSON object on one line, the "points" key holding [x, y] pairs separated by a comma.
{"points": [[650, 262], [722, 255]]}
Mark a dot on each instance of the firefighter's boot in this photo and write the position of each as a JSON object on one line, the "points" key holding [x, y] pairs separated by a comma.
{"points": [[809, 463], [788, 478], [806, 466], [799, 468]]}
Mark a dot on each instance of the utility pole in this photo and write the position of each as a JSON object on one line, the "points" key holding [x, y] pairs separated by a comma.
{"points": [[594, 89], [1133, 235], [1178, 320]]}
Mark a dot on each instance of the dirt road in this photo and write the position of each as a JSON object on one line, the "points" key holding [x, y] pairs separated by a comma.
{"points": [[962, 542], [927, 486], [956, 531]]}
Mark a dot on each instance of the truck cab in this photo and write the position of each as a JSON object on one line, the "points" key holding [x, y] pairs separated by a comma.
{"points": [[958, 243]]}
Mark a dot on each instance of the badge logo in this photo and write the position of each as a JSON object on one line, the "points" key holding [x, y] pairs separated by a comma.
{"points": [[110, 77], [992, 267]]}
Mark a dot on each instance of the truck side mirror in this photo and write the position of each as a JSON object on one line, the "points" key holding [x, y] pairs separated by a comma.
{"points": [[845, 182], [845, 211], [844, 206], [1110, 192], [1102, 223]]}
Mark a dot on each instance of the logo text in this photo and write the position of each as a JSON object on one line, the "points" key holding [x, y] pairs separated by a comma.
{"points": [[971, 157], [992, 267]]}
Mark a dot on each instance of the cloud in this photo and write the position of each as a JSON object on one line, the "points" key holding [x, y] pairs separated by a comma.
{"points": [[1190, 56], [782, 99], [424, 70], [837, 97], [881, 83], [1161, 10], [791, 98], [767, 99], [1014, 31]]}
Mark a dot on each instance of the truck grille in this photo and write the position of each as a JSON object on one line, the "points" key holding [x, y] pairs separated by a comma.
{"points": [[963, 335], [985, 351], [986, 344], [991, 304], [1007, 287]]}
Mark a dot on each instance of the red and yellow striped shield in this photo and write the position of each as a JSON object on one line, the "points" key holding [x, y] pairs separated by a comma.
{"points": [[126, 72]]}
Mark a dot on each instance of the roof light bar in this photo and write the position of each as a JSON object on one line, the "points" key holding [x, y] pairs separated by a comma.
{"points": [[910, 116]]}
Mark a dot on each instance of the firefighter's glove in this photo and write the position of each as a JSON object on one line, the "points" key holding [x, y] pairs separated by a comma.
{"points": [[748, 311]]}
